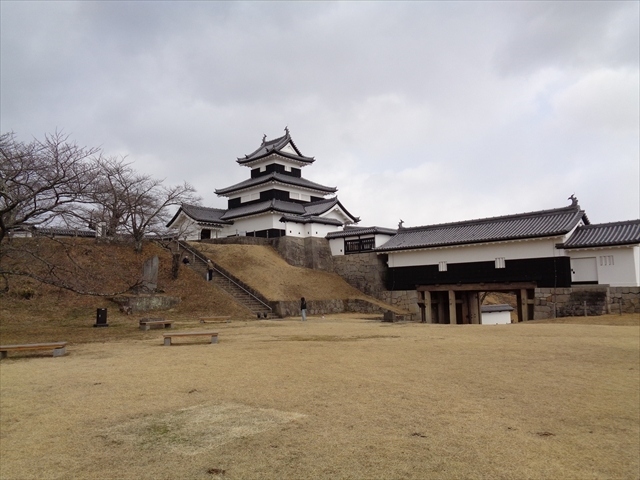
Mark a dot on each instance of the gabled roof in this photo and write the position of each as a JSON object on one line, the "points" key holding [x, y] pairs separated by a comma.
{"points": [[276, 145], [350, 231], [276, 177], [521, 226], [604, 235], [202, 215], [322, 206]]}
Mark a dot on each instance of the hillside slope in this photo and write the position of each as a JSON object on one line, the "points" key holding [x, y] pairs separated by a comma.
{"points": [[264, 270], [93, 266]]}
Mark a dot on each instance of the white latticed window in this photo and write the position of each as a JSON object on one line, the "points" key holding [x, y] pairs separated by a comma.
{"points": [[500, 262], [442, 266]]}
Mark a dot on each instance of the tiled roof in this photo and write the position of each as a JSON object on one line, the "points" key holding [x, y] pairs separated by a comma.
{"points": [[202, 215], [354, 231], [279, 206], [276, 177], [63, 232], [496, 308], [605, 234], [520, 226], [274, 146], [320, 206], [292, 209], [310, 219]]}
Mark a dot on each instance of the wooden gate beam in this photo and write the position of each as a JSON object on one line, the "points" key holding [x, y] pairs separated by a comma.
{"points": [[478, 287]]}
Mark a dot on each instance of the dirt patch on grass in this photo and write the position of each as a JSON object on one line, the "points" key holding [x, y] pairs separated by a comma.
{"points": [[194, 430]]}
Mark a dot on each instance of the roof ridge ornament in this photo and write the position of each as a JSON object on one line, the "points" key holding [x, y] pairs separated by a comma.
{"points": [[264, 138], [574, 200], [400, 224], [286, 129]]}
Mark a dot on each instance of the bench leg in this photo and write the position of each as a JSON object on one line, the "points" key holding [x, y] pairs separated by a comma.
{"points": [[167, 341], [214, 339], [58, 352]]}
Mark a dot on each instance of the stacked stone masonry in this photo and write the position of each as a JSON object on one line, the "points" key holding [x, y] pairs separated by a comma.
{"points": [[364, 271], [325, 307], [585, 300]]}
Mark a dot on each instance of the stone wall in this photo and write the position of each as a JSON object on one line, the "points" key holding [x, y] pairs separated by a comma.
{"points": [[405, 299], [145, 303], [624, 299], [586, 299], [309, 252], [324, 307], [365, 271]]}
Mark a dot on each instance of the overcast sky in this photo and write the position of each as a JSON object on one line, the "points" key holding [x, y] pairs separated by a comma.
{"points": [[427, 111]]}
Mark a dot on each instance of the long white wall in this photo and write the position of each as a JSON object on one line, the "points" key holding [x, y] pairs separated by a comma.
{"points": [[536, 248], [264, 221], [618, 267], [303, 230]]}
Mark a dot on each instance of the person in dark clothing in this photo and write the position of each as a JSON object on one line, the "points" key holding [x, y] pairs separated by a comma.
{"points": [[185, 260], [303, 309]]}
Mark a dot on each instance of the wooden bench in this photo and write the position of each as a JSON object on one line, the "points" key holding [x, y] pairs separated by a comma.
{"points": [[58, 348], [215, 319], [147, 323], [168, 336]]}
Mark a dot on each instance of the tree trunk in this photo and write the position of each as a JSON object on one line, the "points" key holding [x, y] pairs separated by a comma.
{"points": [[175, 265]]}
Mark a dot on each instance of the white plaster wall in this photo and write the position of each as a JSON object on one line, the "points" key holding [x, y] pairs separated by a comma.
{"points": [[537, 248], [625, 270], [320, 230], [381, 239], [294, 229], [186, 228], [258, 222], [337, 246], [495, 318]]}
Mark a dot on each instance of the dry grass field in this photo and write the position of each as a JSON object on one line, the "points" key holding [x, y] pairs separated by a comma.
{"points": [[340, 397]]}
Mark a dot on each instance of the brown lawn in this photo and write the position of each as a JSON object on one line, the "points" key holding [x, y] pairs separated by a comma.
{"points": [[340, 397]]}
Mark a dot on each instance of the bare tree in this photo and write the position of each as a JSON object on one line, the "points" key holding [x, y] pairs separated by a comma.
{"points": [[42, 180], [132, 203]]}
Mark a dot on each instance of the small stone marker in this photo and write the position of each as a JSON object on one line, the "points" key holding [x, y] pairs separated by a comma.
{"points": [[150, 274]]}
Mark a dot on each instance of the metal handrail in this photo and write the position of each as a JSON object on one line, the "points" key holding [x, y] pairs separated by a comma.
{"points": [[197, 254]]}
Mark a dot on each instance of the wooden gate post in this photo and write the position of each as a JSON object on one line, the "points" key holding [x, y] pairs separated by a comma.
{"points": [[452, 308]]}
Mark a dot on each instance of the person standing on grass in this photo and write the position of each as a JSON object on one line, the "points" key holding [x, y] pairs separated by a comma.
{"points": [[303, 309]]}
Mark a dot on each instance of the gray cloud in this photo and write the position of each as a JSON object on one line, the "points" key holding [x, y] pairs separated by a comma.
{"points": [[429, 111]]}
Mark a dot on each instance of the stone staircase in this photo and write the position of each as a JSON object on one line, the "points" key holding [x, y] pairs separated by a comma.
{"points": [[242, 296], [240, 292]]}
